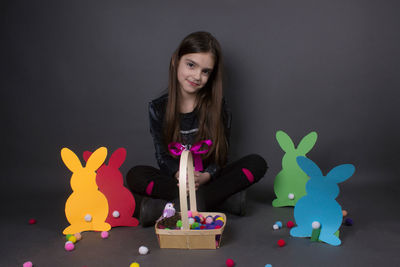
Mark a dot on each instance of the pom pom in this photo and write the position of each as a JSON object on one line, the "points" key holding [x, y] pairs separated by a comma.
{"points": [[230, 263], [202, 219], [78, 236], [219, 222], [179, 223], [134, 264], [191, 221], [104, 234], [220, 219], [195, 213], [189, 213], [72, 239], [143, 250], [115, 214], [27, 264], [88, 218], [291, 196], [69, 246], [344, 212], [316, 225], [268, 265], [281, 242], [279, 223], [275, 227], [32, 221], [67, 237], [290, 224], [348, 222], [209, 220]]}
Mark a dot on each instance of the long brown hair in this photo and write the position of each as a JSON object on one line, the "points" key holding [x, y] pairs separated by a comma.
{"points": [[209, 98]]}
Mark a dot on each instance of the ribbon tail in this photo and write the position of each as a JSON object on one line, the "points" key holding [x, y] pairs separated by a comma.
{"points": [[198, 164]]}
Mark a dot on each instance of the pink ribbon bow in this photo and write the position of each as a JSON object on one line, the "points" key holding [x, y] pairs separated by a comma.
{"points": [[176, 149]]}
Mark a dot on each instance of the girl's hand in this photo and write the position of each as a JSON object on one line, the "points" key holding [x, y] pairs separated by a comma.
{"points": [[200, 178]]}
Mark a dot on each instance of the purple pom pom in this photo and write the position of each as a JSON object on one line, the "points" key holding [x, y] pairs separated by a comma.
{"points": [[348, 222]]}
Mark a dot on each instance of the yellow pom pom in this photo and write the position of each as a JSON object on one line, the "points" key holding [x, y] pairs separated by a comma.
{"points": [[134, 264], [72, 239], [220, 218]]}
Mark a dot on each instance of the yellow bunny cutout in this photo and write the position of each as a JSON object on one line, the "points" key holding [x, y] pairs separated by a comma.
{"points": [[86, 208]]}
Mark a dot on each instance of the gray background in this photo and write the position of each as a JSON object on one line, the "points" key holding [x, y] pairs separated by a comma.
{"points": [[80, 74]]}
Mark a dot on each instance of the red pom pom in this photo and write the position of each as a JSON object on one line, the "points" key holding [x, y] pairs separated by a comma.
{"points": [[32, 221], [290, 224], [230, 263], [281, 242], [217, 227]]}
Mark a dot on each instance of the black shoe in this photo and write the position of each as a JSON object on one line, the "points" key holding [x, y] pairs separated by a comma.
{"points": [[151, 210], [235, 204]]}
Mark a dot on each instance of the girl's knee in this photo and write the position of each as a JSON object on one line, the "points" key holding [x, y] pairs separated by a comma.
{"points": [[256, 165]]}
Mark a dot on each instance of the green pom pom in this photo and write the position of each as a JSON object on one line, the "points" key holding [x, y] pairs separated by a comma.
{"points": [[68, 236], [179, 223]]}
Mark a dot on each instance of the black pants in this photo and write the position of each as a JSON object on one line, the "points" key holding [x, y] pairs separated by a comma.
{"points": [[227, 181]]}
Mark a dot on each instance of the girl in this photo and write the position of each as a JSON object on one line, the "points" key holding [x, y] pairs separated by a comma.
{"points": [[193, 110]]}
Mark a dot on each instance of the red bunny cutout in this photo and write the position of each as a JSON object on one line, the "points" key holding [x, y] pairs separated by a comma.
{"points": [[110, 182]]}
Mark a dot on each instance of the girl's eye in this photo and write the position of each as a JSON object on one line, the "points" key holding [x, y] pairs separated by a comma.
{"points": [[190, 65], [207, 72]]}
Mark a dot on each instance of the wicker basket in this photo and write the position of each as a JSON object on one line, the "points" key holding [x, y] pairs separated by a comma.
{"points": [[187, 238]]}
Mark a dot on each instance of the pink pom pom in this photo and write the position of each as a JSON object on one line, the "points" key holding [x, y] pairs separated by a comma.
{"points": [[104, 234], [189, 213], [27, 264], [230, 263], [32, 221], [69, 246]]}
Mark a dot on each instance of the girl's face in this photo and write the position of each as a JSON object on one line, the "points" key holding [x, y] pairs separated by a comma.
{"points": [[193, 71]]}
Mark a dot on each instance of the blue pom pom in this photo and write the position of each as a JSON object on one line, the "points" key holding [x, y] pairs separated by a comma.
{"points": [[279, 223]]}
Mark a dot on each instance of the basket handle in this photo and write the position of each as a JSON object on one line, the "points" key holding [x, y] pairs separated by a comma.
{"points": [[186, 167]]}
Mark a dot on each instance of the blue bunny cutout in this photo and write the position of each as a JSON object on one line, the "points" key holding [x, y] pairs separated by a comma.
{"points": [[319, 204]]}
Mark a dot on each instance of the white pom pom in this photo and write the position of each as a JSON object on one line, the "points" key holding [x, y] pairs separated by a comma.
{"points": [[143, 250], [316, 225], [291, 196], [275, 227], [88, 217], [191, 221], [115, 214]]}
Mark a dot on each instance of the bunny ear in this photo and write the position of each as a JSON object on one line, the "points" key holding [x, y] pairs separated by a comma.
{"points": [[307, 143], [70, 160], [97, 158], [308, 166], [117, 158], [341, 173], [86, 155], [284, 141]]}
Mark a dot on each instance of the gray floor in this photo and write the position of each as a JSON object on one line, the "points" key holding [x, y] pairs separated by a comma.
{"points": [[374, 239]]}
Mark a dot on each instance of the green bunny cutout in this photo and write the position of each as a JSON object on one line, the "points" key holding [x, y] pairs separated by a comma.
{"points": [[290, 182]]}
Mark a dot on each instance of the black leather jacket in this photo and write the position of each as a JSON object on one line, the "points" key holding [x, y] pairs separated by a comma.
{"points": [[188, 128]]}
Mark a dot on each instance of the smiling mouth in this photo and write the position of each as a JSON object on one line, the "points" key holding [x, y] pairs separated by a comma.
{"points": [[192, 83]]}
